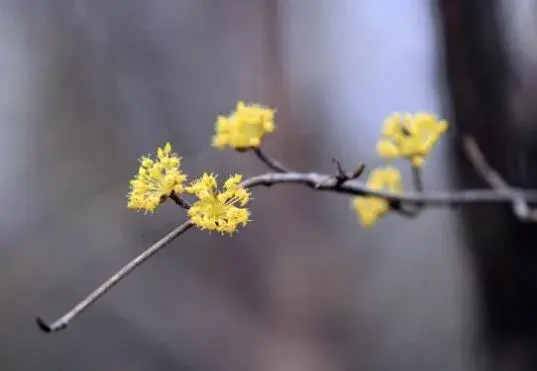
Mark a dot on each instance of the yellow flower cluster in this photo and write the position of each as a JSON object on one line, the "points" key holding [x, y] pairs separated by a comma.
{"points": [[221, 211], [245, 128], [216, 211], [156, 180], [407, 136], [370, 208], [410, 136]]}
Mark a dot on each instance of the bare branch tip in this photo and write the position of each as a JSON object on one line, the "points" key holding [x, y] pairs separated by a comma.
{"points": [[340, 170], [48, 329], [358, 171]]}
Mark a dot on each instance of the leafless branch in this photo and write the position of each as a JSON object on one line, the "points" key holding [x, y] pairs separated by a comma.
{"points": [[520, 204], [270, 162], [481, 165], [323, 182], [64, 320], [415, 209], [417, 179], [342, 183], [342, 175]]}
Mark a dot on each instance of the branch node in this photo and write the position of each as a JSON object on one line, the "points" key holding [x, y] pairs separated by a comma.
{"points": [[520, 206], [342, 175], [180, 201]]}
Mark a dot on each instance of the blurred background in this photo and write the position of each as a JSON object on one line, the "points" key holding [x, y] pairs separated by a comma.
{"points": [[89, 86]]}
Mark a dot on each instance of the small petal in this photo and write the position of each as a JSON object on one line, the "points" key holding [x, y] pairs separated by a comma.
{"points": [[387, 149], [167, 148]]}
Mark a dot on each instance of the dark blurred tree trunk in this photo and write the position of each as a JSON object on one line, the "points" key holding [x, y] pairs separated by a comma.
{"points": [[479, 82]]}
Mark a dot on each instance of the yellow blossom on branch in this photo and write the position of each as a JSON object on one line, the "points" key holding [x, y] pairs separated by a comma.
{"points": [[370, 208], [222, 211], [410, 136], [244, 128], [156, 180]]}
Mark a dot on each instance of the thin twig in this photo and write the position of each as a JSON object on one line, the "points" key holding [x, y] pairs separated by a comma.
{"points": [[270, 162], [417, 182], [180, 201], [358, 170], [481, 165], [417, 179], [64, 320], [501, 193], [342, 175], [520, 204], [328, 183]]}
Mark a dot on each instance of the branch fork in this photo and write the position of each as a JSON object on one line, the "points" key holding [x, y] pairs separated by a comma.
{"points": [[342, 182]]}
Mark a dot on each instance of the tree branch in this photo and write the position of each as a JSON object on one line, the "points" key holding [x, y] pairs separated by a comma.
{"points": [[329, 183], [64, 320], [417, 182], [342, 183], [417, 179], [495, 180], [270, 162], [180, 201]]}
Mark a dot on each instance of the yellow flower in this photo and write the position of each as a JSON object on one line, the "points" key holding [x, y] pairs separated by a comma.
{"points": [[410, 136], [244, 128], [217, 210], [156, 180], [370, 208]]}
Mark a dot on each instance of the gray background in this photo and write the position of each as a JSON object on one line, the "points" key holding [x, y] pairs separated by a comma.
{"points": [[89, 86]]}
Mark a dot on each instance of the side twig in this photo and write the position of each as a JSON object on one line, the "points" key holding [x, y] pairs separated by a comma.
{"points": [[415, 208], [270, 162], [341, 183], [417, 180], [64, 320], [342, 175], [495, 180]]}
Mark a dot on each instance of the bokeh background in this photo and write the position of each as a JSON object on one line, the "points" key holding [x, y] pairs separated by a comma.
{"points": [[90, 85]]}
